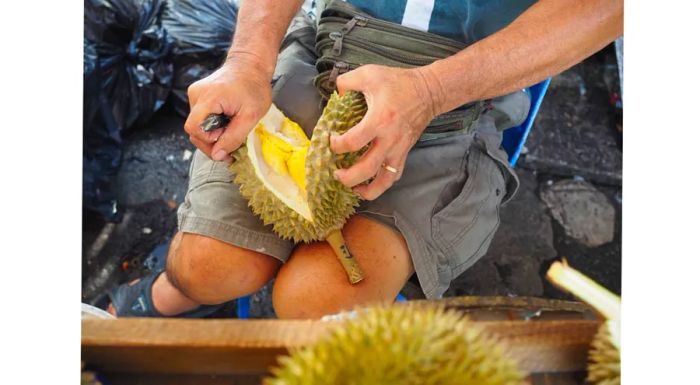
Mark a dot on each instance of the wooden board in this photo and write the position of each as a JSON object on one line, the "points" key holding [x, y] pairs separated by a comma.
{"points": [[234, 347]]}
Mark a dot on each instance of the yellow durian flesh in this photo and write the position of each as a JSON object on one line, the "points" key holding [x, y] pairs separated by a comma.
{"points": [[277, 149], [306, 204]]}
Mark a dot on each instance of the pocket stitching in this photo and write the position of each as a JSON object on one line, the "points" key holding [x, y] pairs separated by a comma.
{"points": [[477, 215]]}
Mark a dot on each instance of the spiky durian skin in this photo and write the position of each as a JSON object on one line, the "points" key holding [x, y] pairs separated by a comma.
{"points": [[603, 359], [400, 345], [330, 201]]}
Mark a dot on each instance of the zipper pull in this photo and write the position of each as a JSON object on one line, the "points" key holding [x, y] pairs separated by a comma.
{"points": [[361, 20], [339, 67], [337, 36]]}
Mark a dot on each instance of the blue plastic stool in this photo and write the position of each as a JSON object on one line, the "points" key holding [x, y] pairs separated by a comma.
{"points": [[513, 141], [514, 138]]}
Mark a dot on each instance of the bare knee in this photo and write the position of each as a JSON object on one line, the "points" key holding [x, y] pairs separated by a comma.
{"points": [[209, 271], [313, 282]]}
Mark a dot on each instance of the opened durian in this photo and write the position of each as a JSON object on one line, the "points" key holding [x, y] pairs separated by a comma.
{"points": [[400, 345], [288, 179], [604, 355]]}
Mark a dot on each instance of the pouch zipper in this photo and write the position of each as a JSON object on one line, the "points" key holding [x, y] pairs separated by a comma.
{"points": [[379, 51], [391, 27]]}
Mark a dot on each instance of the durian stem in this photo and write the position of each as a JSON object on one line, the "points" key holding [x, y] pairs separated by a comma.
{"points": [[567, 278], [352, 268]]}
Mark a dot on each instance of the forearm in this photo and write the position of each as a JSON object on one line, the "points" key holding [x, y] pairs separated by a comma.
{"points": [[261, 26], [548, 38]]}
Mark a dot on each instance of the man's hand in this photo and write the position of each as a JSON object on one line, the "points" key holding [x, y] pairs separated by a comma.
{"points": [[399, 107], [240, 90]]}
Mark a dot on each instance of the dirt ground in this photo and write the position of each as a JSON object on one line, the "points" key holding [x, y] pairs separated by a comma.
{"points": [[575, 138]]}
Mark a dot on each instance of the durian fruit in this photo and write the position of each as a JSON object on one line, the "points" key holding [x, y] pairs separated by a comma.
{"points": [[604, 355], [403, 345], [288, 179]]}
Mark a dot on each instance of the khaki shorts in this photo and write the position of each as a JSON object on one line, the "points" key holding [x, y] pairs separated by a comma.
{"points": [[446, 204]]}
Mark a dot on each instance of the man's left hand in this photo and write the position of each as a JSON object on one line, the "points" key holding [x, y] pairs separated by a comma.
{"points": [[400, 104]]}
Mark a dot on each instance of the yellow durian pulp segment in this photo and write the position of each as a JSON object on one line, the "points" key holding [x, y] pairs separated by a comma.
{"points": [[275, 156], [269, 150], [296, 166], [284, 149], [294, 131]]}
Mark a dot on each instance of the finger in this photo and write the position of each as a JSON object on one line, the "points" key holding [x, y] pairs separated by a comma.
{"points": [[234, 136], [193, 94], [384, 180], [352, 80], [197, 115], [356, 137], [202, 146], [365, 168]]}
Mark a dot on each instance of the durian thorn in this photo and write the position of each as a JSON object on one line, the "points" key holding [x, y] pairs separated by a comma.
{"points": [[352, 268], [589, 291]]}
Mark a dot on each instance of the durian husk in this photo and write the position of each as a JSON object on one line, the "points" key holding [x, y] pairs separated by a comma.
{"points": [[331, 203], [604, 353], [603, 359], [401, 345]]}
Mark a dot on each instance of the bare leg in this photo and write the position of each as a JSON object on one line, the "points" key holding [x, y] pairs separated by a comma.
{"points": [[203, 270], [313, 283]]}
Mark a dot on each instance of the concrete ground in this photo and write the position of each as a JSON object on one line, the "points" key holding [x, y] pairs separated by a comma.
{"points": [[569, 203]]}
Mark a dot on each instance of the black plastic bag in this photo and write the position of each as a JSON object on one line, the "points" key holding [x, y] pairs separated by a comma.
{"points": [[132, 49], [102, 143], [127, 78], [200, 33], [187, 71], [200, 26]]}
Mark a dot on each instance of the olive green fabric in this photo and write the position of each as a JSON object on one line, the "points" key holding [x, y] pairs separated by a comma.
{"points": [[348, 38]]}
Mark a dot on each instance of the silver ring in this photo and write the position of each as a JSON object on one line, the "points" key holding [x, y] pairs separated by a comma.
{"points": [[389, 168]]}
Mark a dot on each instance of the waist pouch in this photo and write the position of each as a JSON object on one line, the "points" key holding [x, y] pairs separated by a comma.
{"points": [[347, 38]]}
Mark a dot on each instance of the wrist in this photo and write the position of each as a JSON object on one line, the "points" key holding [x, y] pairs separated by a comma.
{"points": [[432, 89], [250, 64]]}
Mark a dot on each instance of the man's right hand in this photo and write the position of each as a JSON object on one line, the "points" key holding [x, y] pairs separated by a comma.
{"points": [[238, 89]]}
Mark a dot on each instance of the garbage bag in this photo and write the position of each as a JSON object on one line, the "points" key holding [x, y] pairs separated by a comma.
{"points": [[127, 78], [102, 142], [132, 49], [200, 33], [200, 26], [187, 71]]}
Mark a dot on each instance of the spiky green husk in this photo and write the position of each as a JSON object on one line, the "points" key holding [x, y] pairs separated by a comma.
{"points": [[400, 345], [330, 201], [603, 359]]}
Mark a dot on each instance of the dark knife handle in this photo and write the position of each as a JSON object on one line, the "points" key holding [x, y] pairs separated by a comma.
{"points": [[214, 121]]}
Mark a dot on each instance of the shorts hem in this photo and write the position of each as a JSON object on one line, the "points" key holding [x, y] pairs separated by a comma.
{"points": [[267, 244]]}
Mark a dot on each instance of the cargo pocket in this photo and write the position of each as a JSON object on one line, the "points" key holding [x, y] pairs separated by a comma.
{"points": [[464, 227]]}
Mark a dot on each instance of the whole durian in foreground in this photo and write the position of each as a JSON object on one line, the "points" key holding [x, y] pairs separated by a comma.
{"points": [[604, 355], [400, 345], [288, 179]]}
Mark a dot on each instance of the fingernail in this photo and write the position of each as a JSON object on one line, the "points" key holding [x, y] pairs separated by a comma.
{"points": [[336, 174], [220, 155]]}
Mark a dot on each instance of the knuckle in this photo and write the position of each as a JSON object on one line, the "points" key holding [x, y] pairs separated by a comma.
{"points": [[354, 143], [192, 89]]}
